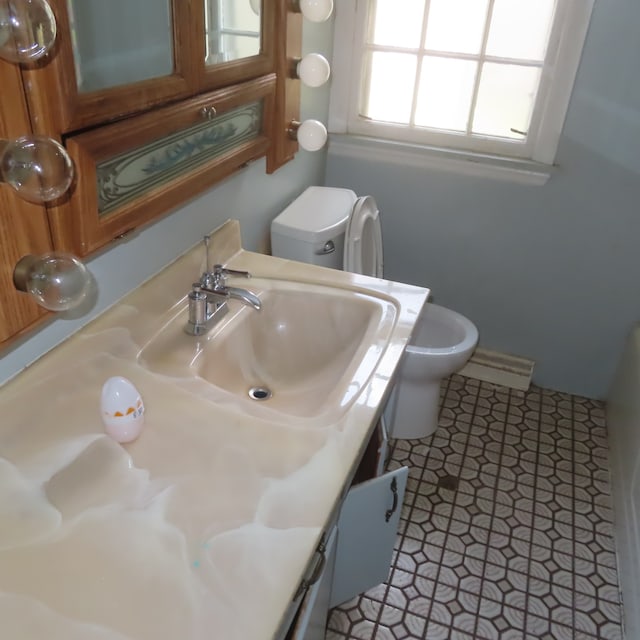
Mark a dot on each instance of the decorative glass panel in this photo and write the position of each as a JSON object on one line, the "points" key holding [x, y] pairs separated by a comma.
{"points": [[456, 25], [119, 42], [130, 175], [445, 93], [390, 87], [232, 31], [505, 100]]}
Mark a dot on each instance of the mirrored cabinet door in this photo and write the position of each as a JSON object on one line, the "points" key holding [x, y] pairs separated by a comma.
{"points": [[239, 40], [232, 30], [120, 42], [112, 59]]}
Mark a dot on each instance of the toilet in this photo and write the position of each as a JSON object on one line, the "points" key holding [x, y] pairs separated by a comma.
{"points": [[335, 228]]}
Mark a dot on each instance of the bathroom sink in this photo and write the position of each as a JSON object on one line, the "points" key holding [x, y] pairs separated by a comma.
{"points": [[307, 352]]}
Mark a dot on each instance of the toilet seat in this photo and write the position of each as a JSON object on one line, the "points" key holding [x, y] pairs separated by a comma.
{"points": [[363, 239]]}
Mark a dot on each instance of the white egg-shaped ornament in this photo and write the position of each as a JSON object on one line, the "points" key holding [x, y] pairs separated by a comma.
{"points": [[122, 409]]}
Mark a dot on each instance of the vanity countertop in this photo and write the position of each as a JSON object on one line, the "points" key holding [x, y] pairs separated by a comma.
{"points": [[203, 527]]}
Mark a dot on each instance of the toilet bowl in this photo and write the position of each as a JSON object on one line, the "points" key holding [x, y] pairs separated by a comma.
{"points": [[442, 344], [332, 227]]}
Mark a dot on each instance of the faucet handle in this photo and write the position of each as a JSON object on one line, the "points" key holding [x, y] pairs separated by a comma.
{"points": [[220, 271]]}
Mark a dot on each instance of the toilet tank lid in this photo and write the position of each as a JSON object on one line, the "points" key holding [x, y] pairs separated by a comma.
{"points": [[318, 213]]}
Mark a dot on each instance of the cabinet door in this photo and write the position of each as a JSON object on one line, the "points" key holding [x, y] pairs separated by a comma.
{"points": [[130, 172], [311, 621], [239, 41], [112, 59], [367, 529]]}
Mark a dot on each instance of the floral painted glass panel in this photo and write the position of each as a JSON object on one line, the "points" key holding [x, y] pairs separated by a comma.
{"points": [[131, 175]]}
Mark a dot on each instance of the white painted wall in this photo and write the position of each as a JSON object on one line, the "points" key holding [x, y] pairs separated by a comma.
{"points": [[546, 272]]}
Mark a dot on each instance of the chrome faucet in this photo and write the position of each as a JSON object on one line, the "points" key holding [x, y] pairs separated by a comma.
{"points": [[208, 297]]}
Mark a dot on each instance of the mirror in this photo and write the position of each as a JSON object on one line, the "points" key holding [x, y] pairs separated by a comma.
{"points": [[124, 41], [232, 30], [108, 36]]}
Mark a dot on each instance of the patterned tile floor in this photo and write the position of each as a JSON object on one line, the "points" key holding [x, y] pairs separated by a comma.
{"points": [[522, 549]]}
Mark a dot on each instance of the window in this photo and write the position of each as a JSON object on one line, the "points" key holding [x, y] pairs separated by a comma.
{"points": [[481, 76]]}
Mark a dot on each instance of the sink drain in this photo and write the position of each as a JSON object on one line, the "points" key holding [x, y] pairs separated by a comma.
{"points": [[260, 393]]}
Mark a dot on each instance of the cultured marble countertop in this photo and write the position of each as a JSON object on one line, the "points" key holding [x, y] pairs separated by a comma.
{"points": [[204, 526]]}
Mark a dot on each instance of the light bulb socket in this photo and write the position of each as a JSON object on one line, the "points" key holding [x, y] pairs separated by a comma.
{"points": [[22, 272], [292, 72], [292, 129], [313, 10]]}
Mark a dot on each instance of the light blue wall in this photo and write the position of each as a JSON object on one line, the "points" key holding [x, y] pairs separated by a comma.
{"points": [[550, 273], [250, 196]]}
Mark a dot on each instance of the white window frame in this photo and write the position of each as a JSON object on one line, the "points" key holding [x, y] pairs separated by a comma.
{"points": [[534, 156]]}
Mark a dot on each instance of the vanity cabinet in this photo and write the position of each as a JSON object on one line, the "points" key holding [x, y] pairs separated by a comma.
{"points": [[356, 553], [117, 58]]}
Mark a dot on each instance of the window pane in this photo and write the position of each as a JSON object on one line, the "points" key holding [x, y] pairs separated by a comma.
{"points": [[396, 28], [505, 99], [444, 96], [520, 29], [456, 25], [388, 90]]}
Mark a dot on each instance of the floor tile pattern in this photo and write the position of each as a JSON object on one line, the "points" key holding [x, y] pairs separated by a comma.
{"points": [[522, 548]]}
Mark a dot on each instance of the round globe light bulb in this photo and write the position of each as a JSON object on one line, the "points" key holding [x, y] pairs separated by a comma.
{"points": [[316, 10], [311, 135], [314, 70], [58, 281], [37, 167], [255, 6], [27, 30]]}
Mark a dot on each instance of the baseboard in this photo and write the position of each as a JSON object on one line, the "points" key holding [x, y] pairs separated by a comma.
{"points": [[499, 368]]}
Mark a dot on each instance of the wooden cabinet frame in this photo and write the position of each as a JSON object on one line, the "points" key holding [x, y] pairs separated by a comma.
{"points": [[57, 106], [43, 98], [23, 225]]}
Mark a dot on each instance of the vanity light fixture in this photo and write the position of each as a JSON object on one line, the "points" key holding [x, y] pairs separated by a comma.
{"points": [[58, 281], [313, 70], [27, 30], [313, 10], [310, 134], [37, 167]]}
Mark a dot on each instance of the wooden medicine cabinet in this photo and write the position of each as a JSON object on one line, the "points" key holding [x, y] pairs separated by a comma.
{"points": [[155, 101]]}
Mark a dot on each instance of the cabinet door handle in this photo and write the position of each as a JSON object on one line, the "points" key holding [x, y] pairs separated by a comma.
{"points": [[209, 113], [394, 506], [316, 573]]}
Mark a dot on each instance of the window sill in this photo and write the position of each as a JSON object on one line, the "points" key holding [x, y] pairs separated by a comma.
{"points": [[463, 163]]}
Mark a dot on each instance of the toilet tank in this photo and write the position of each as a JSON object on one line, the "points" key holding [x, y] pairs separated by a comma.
{"points": [[311, 229]]}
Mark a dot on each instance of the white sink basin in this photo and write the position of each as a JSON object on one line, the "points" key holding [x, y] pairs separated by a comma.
{"points": [[307, 352]]}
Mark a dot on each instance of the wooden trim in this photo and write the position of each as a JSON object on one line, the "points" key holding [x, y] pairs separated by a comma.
{"points": [[287, 106], [76, 225], [23, 225]]}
